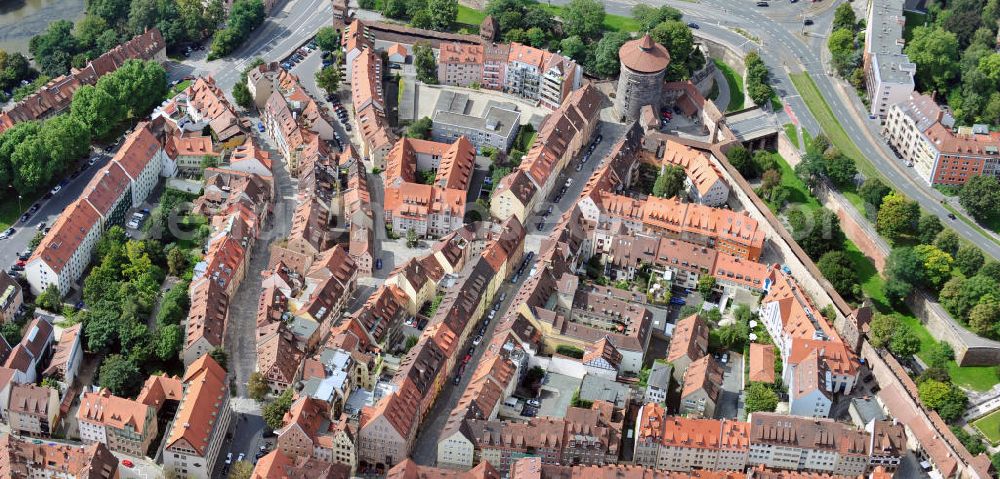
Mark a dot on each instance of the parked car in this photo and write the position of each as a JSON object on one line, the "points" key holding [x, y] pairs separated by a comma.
{"points": [[7, 234], [378, 263], [762, 4], [534, 403], [41, 226], [55, 189], [693, 25], [807, 22], [25, 217], [128, 463], [503, 296]]}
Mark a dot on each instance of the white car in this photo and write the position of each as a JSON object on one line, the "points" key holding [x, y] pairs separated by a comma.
{"points": [[534, 403], [133, 224], [57, 189], [475, 342]]}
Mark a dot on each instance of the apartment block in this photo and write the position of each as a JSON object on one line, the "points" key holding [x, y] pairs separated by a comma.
{"points": [[495, 127], [197, 433], [123, 183], [521, 70], [888, 71], [310, 433], [434, 209], [33, 410], [807, 444], [689, 343], [701, 387], [123, 425], [926, 138]]}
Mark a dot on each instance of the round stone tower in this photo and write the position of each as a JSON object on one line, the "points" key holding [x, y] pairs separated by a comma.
{"points": [[640, 83]]}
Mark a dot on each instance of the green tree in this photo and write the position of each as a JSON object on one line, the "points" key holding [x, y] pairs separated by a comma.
{"points": [[54, 48], [220, 356], [841, 170], [574, 48], [412, 240], [257, 387], [649, 17], [677, 38], [969, 259], [731, 336], [872, 191], [936, 263], [443, 13], [329, 78], [764, 161], [169, 341], [984, 317], [903, 270], [839, 270], [844, 17], [583, 18], [274, 412], [177, 261], [65, 140], [934, 50], [928, 227], [991, 270], [50, 299], [904, 343], [897, 217], [420, 128], [940, 354], [882, 327], [426, 65], [954, 404], [933, 393], [327, 39], [706, 283], [670, 182], [760, 397], [96, 109], [981, 197], [947, 241], [241, 93], [606, 62], [972, 443], [120, 375], [241, 470], [960, 295], [740, 158], [816, 234]]}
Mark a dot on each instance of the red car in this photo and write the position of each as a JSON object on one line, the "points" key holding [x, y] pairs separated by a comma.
{"points": [[466, 358], [21, 263], [127, 463]]}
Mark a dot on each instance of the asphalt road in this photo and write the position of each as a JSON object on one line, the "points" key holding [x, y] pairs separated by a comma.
{"points": [[47, 213], [290, 25]]}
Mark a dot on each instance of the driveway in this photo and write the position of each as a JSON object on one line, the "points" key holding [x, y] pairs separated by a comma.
{"points": [[730, 404]]}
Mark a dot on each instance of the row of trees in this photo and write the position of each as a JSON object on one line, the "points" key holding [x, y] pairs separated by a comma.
{"points": [[110, 22], [33, 154], [845, 44], [428, 14], [758, 79], [244, 17]]}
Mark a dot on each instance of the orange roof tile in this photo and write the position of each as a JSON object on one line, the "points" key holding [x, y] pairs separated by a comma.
{"points": [[762, 363], [205, 396]]}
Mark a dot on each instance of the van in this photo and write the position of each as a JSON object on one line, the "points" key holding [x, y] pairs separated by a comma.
{"points": [[511, 402]]}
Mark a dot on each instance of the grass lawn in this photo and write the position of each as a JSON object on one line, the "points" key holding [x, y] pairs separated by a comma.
{"points": [[807, 139], [800, 194], [833, 129], [978, 378], [523, 141], [735, 81], [178, 88], [470, 17], [793, 134], [989, 426], [11, 209]]}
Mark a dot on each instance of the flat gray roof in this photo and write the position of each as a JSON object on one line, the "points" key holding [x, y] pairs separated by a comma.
{"points": [[497, 119]]}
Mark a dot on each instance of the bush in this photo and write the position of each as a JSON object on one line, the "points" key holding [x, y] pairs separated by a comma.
{"points": [[571, 351]]}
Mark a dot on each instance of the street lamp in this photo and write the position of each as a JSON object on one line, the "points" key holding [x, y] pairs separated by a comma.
{"points": [[18, 202]]}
